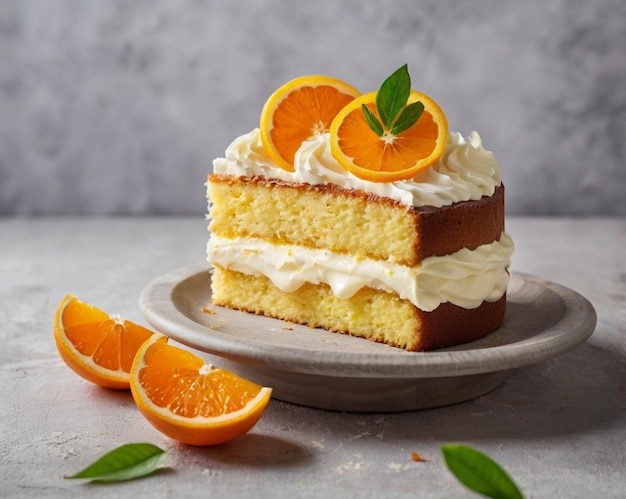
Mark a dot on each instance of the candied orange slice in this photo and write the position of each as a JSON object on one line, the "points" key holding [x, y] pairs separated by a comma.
{"points": [[389, 157], [190, 401], [98, 347], [299, 110]]}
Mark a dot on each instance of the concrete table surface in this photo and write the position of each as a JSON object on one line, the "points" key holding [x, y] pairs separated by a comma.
{"points": [[558, 427]]}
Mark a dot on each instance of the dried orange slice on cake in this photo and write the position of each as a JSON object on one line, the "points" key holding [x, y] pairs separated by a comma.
{"points": [[97, 346], [299, 110], [191, 401], [389, 135]]}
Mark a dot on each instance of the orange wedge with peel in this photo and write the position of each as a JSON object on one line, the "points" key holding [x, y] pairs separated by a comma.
{"points": [[97, 346], [301, 109], [190, 401], [389, 157]]}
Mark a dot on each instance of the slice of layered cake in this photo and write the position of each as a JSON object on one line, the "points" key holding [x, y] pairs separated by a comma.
{"points": [[412, 256]]}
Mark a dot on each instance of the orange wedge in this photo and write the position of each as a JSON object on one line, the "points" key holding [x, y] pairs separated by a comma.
{"points": [[190, 401], [98, 347], [299, 110], [389, 157]]}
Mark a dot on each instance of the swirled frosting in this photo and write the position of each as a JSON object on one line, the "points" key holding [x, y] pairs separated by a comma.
{"points": [[466, 171]]}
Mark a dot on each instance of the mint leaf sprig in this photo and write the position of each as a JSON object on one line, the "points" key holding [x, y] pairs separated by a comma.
{"points": [[126, 462], [391, 105], [479, 473]]}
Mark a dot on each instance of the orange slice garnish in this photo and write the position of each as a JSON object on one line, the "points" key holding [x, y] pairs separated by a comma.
{"points": [[98, 347], [299, 110], [389, 157], [190, 401]]}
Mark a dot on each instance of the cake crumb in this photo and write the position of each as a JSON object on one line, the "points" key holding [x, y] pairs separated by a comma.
{"points": [[398, 467], [207, 310], [349, 466], [416, 457]]}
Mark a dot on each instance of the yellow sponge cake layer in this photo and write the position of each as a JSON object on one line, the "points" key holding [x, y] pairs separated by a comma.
{"points": [[345, 221], [349, 221], [372, 314]]}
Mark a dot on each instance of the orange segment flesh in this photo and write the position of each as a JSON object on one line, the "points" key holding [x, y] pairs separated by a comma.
{"points": [[98, 347], [190, 401], [299, 110], [389, 158]]}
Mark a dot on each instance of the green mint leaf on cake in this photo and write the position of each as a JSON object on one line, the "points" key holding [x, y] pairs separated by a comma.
{"points": [[393, 95], [391, 105], [372, 121], [124, 463], [408, 117], [479, 472]]}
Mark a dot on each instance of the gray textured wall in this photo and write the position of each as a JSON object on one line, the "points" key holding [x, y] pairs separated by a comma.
{"points": [[119, 106]]}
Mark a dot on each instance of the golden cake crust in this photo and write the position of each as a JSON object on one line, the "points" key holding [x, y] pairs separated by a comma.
{"points": [[466, 224]]}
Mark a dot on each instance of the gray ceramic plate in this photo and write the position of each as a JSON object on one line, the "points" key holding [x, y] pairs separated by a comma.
{"points": [[326, 370]]}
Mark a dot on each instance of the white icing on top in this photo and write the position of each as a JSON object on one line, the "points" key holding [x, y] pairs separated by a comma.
{"points": [[465, 278], [465, 171]]}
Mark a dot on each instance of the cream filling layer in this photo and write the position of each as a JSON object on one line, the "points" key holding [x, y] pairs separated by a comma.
{"points": [[465, 278]]}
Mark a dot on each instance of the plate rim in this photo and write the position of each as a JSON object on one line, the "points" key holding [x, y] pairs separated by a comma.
{"points": [[579, 320]]}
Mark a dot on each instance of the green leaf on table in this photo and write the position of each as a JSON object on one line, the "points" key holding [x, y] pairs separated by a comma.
{"points": [[479, 472], [127, 462]]}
